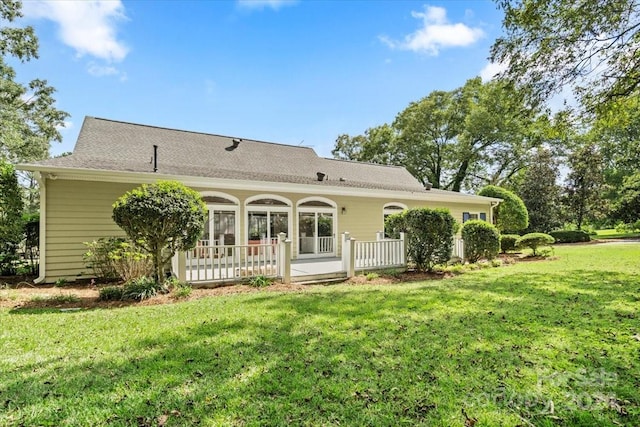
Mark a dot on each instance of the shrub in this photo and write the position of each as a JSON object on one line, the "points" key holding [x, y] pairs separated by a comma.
{"points": [[11, 227], [534, 241], [260, 281], [372, 276], [98, 258], [165, 217], [508, 242], [116, 257], [481, 240], [111, 293], [181, 290], [511, 214], [142, 288], [570, 236], [429, 235]]}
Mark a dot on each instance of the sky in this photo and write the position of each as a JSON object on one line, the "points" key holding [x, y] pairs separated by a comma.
{"points": [[293, 72]]}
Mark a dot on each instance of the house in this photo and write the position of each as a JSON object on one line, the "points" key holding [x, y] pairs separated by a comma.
{"points": [[253, 189]]}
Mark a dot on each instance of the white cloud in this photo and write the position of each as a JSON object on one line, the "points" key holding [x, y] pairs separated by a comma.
{"points": [[262, 4], [66, 125], [435, 34], [491, 70], [88, 26]]}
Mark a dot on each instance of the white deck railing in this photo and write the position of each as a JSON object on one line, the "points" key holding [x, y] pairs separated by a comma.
{"points": [[381, 253], [325, 244], [230, 262]]}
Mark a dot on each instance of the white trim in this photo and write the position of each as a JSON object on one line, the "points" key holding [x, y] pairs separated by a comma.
{"points": [[268, 196], [42, 258], [82, 174], [330, 202], [229, 197]]}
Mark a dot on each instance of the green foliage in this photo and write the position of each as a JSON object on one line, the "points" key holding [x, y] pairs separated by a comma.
{"points": [[452, 139], [142, 288], [111, 293], [260, 281], [372, 276], [540, 193], [28, 117], [481, 240], [508, 242], [31, 230], [129, 262], [181, 290], [61, 282], [534, 240], [627, 208], [11, 225], [511, 214], [164, 217], [570, 236], [429, 235], [584, 185], [591, 46]]}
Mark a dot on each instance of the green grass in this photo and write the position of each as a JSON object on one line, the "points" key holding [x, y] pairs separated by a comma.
{"points": [[551, 343], [611, 233]]}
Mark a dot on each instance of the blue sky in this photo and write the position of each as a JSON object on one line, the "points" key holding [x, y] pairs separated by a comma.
{"points": [[294, 72]]}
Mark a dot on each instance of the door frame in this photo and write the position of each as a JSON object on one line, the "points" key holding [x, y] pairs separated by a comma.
{"points": [[331, 209]]}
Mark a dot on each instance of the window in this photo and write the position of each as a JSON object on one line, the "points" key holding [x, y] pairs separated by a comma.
{"points": [[267, 216], [466, 216], [391, 209]]}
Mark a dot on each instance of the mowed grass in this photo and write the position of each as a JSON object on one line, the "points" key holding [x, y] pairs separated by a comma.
{"points": [[611, 233], [551, 343]]}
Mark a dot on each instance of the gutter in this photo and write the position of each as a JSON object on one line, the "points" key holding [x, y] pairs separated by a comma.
{"points": [[42, 261], [493, 205]]}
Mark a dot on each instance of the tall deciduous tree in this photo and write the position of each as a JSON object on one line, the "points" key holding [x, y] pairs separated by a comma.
{"points": [[11, 232], [539, 190], [584, 184], [471, 136], [28, 117], [627, 208], [592, 46]]}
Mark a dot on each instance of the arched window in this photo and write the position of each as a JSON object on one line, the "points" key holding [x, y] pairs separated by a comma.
{"points": [[317, 227], [391, 209], [223, 226], [267, 216]]}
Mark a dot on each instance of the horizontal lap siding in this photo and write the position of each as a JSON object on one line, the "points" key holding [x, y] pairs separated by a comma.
{"points": [[77, 212]]}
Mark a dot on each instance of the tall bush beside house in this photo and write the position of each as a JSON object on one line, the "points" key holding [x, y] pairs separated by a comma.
{"points": [[481, 240], [430, 235], [511, 214], [11, 225], [165, 217]]}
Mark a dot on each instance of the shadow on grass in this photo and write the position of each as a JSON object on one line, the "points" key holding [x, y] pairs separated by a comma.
{"points": [[502, 348]]}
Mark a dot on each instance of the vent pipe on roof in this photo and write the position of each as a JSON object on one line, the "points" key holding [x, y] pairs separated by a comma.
{"points": [[236, 142], [155, 158], [320, 176]]}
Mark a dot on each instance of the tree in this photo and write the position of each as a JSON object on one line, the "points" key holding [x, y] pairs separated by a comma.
{"points": [[584, 184], [162, 218], [28, 117], [11, 225], [510, 215], [452, 140], [540, 192], [592, 46], [627, 208]]}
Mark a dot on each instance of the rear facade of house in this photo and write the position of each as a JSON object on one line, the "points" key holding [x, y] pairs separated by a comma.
{"points": [[253, 190]]}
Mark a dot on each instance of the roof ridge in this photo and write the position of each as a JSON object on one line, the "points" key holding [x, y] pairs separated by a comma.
{"points": [[363, 163], [200, 133]]}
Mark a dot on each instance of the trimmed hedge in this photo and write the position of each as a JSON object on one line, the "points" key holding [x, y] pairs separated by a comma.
{"points": [[481, 240], [570, 236], [534, 241], [508, 242]]}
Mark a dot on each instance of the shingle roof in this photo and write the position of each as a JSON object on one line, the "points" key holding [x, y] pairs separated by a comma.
{"points": [[119, 146]]}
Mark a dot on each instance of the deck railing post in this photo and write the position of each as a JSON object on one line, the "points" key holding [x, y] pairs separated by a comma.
{"points": [[181, 268], [345, 250], [351, 267], [286, 261], [379, 235], [280, 259], [403, 239]]}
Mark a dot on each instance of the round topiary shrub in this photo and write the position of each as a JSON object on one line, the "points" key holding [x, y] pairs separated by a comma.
{"points": [[511, 214], [534, 241], [570, 236], [481, 240], [508, 242]]}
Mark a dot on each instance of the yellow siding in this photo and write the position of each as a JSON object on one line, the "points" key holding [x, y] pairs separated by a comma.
{"points": [[80, 211], [76, 212]]}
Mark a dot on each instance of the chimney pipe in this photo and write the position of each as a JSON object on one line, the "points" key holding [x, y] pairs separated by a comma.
{"points": [[155, 158]]}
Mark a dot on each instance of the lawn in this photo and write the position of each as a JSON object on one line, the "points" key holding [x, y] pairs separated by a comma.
{"points": [[611, 233], [549, 343]]}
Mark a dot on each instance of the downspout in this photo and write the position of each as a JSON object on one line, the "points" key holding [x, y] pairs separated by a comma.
{"points": [[493, 205], [43, 228]]}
